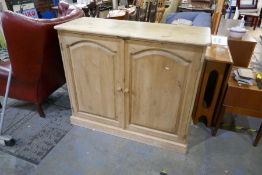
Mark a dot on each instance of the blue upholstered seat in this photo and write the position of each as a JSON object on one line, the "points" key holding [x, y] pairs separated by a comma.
{"points": [[198, 18]]}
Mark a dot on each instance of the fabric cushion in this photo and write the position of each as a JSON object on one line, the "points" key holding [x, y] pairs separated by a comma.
{"points": [[202, 19], [182, 22], [181, 15], [198, 18]]}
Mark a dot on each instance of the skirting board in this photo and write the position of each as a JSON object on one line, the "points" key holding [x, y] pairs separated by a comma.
{"points": [[182, 148]]}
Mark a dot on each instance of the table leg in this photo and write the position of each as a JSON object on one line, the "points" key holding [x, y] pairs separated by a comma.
{"points": [[259, 135], [254, 22], [219, 120]]}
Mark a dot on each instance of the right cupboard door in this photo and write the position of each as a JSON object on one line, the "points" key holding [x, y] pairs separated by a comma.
{"points": [[160, 84]]}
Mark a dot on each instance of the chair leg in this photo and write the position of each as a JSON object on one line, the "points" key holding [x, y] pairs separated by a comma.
{"points": [[259, 135], [255, 23], [40, 110]]}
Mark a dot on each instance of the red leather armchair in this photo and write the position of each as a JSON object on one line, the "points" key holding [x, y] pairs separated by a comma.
{"points": [[35, 56]]}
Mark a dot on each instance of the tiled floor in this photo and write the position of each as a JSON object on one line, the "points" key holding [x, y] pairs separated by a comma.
{"points": [[86, 152]]}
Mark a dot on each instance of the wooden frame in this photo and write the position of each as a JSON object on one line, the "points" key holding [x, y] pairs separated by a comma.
{"points": [[137, 88]]}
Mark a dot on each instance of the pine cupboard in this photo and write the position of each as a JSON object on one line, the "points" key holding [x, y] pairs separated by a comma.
{"points": [[132, 79]]}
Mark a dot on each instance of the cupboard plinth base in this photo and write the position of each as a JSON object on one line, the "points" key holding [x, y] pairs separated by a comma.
{"points": [[150, 140]]}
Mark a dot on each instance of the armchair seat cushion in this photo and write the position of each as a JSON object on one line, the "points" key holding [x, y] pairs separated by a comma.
{"points": [[201, 19]]}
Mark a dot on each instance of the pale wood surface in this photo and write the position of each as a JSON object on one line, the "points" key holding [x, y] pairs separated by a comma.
{"points": [[139, 30], [138, 89], [158, 83], [143, 138], [218, 53], [94, 75]]}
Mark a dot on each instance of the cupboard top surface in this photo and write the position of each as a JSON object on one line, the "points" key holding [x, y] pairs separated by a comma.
{"points": [[139, 30]]}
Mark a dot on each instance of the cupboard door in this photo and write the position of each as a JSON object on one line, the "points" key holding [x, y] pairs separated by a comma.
{"points": [[97, 78], [160, 80]]}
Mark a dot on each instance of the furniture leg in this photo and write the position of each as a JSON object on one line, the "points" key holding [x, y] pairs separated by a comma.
{"points": [[252, 21], [40, 110], [219, 120], [255, 22], [259, 135]]}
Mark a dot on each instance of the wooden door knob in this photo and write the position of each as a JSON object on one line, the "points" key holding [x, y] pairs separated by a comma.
{"points": [[119, 89], [126, 90]]}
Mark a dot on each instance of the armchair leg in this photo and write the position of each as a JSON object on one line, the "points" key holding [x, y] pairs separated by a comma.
{"points": [[259, 135], [40, 110]]}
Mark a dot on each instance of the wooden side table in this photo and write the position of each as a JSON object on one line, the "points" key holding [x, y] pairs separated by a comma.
{"points": [[244, 100], [217, 66], [241, 49]]}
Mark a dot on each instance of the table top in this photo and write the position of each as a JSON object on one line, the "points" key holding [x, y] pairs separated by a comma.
{"points": [[233, 83], [139, 30], [218, 53]]}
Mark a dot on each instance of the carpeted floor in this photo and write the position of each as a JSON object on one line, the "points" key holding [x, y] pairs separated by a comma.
{"points": [[36, 136]]}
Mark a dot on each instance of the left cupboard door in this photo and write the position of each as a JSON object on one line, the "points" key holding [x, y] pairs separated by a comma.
{"points": [[95, 77]]}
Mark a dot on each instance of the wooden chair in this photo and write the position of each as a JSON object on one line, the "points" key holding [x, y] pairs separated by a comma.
{"points": [[149, 10], [216, 17], [215, 22], [250, 11], [160, 10]]}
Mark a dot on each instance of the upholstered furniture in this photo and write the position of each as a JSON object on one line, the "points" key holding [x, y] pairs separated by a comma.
{"points": [[34, 55], [198, 18]]}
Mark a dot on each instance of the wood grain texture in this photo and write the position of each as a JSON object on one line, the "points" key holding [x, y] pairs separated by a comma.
{"points": [[216, 53], [142, 89], [241, 51], [95, 73], [219, 61], [143, 138], [157, 78], [139, 30]]}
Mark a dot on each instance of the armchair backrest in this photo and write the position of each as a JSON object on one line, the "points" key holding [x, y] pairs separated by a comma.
{"points": [[252, 5], [33, 43]]}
